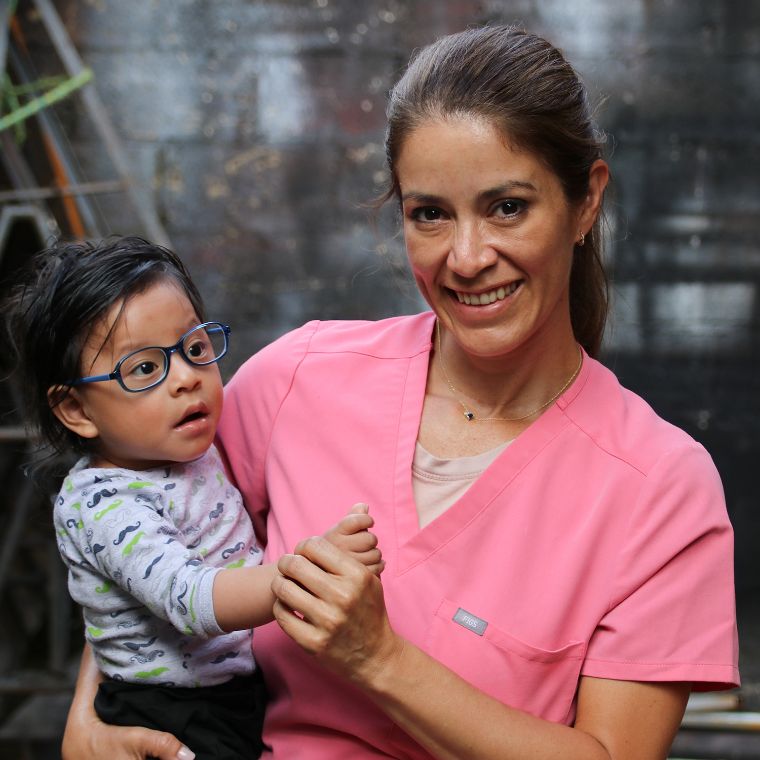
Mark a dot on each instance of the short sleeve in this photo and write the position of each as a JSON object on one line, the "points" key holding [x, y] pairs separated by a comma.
{"points": [[252, 400], [673, 614]]}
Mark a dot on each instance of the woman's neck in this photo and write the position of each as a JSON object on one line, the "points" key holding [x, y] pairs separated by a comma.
{"points": [[508, 387]]}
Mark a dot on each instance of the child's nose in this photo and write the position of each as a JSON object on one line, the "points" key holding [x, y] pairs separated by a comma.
{"points": [[183, 376]]}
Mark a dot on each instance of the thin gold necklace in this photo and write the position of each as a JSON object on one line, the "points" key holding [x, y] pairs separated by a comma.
{"points": [[469, 415]]}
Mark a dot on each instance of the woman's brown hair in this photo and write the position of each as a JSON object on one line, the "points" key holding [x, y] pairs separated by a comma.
{"points": [[524, 86]]}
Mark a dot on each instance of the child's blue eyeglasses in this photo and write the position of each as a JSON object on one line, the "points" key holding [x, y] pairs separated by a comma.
{"points": [[148, 367]]}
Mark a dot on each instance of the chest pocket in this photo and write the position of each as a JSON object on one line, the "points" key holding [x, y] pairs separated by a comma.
{"points": [[539, 681]]}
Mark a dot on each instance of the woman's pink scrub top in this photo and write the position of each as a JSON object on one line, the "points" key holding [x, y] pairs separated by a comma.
{"points": [[596, 544]]}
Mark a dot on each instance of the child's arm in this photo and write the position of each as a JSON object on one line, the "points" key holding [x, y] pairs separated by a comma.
{"points": [[243, 596]]}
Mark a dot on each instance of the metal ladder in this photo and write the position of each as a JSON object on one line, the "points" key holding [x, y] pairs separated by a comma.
{"points": [[40, 205]]}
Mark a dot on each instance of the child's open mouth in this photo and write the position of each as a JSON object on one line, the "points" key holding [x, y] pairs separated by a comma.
{"points": [[191, 417]]}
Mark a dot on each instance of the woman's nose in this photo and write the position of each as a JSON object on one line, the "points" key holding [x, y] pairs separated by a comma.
{"points": [[470, 252]]}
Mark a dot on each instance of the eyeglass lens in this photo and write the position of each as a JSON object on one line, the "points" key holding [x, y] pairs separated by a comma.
{"points": [[149, 366]]}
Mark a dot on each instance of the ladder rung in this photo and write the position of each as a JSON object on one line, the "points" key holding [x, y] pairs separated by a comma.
{"points": [[84, 188]]}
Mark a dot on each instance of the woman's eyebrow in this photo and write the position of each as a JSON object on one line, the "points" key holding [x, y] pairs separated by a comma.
{"points": [[507, 187], [491, 192], [426, 198]]}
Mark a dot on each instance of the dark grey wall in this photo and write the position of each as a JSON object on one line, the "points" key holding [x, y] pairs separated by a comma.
{"points": [[256, 129]]}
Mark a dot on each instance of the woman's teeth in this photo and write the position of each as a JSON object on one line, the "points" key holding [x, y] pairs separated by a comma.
{"points": [[483, 299]]}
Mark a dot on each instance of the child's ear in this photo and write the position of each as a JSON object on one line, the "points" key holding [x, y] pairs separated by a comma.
{"points": [[70, 411]]}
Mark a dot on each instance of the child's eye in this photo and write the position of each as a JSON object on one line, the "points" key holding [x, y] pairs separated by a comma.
{"points": [[509, 208], [144, 369], [197, 349]]}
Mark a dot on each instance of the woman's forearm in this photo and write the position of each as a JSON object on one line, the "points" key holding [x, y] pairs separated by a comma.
{"points": [[452, 719], [615, 720], [88, 680], [82, 711]]}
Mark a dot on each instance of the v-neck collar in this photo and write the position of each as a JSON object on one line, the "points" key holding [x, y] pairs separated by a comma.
{"points": [[415, 544]]}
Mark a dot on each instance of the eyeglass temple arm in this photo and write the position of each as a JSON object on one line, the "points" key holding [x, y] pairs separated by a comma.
{"points": [[92, 379]]}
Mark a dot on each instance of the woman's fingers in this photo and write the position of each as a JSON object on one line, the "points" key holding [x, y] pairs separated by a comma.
{"points": [[323, 554], [162, 745], [314, 629], [298, 595], [106, 742], [322, 584], [299, 629], [311, 590]]}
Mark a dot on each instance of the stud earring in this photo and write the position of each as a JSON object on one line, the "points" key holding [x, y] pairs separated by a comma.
{"points": [[582, 241]]}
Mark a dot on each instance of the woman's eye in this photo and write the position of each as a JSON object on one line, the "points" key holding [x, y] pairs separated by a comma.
{"points": [[509, 208], [427, 214]]}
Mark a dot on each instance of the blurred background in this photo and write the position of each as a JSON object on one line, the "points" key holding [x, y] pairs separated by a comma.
{"points": [[248, 135]]}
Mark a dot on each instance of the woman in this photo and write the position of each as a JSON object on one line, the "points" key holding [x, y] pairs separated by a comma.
{"points": [[559, 559]]}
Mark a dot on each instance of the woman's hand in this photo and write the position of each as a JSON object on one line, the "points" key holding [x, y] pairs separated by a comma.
{"points": [[86, 736], [333, 606], [99, 741]]}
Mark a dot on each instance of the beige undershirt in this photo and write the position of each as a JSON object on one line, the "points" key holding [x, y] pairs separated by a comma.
{"points": [[437, 483]]}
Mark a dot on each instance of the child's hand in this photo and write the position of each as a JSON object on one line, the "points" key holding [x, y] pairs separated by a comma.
{"points": [[352, 536]]}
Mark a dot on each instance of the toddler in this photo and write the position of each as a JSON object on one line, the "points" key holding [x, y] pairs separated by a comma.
{"points": [[120, 367]]}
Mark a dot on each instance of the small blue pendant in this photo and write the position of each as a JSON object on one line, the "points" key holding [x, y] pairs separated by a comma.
{"points": [[469, 416]]}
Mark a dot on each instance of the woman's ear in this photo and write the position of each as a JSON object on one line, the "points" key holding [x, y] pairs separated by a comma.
{"points": [[599, 176], [67, 406]]}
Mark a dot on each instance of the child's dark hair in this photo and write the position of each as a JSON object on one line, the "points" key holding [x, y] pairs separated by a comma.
{"points": [[63, 294]]}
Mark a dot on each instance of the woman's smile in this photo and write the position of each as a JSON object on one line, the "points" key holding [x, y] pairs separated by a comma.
{"points": [[487, 297]]}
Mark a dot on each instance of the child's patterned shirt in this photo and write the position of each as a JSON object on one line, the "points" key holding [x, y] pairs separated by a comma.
{"points": [[142, 549]]}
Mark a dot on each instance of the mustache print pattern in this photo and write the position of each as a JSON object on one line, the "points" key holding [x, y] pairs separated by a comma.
{"points": [[134, 646], [143, 658], [99, 496], [227, 553], [180, 599], [151, 566], [124, 533], [132, 622], [222, 657]]}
